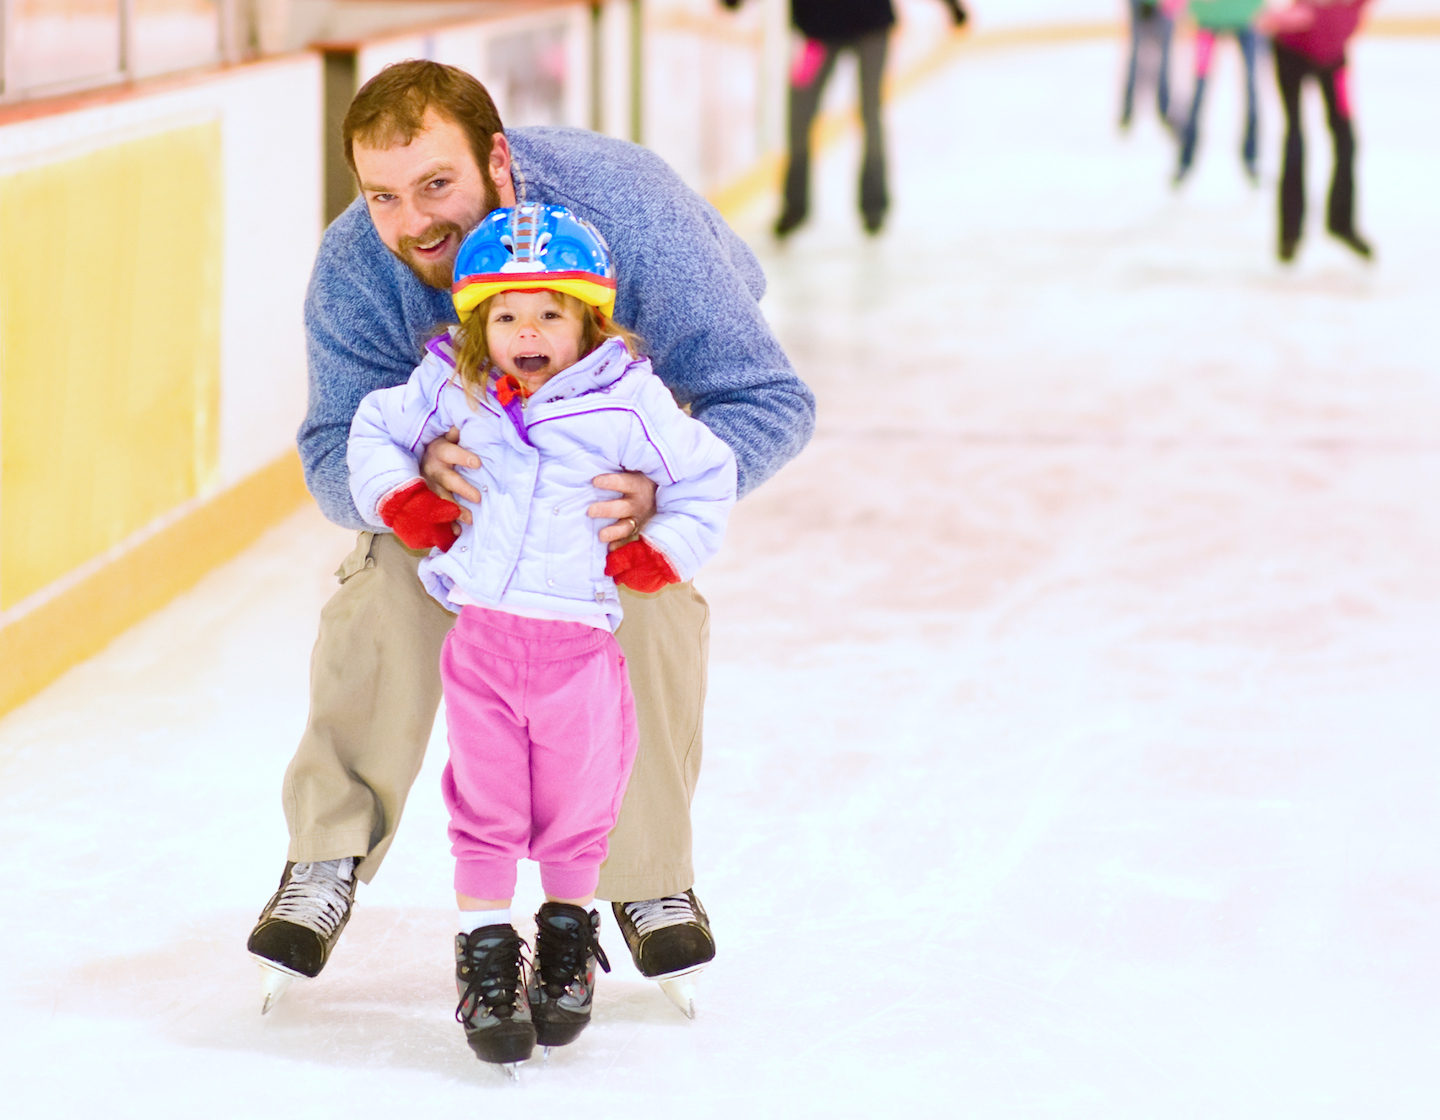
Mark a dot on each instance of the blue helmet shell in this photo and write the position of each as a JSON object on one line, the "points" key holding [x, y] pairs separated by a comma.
{"points": [[533, 247]]}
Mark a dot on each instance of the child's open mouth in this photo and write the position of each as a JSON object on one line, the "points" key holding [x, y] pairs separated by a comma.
{"points": [[532, 363]]}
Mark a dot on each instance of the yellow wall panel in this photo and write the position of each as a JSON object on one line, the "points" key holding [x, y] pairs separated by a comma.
{"points": [[110, 268]]}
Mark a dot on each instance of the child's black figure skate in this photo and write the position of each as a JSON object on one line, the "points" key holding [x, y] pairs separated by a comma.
{"points": [[562, 985], [493, 1007]]}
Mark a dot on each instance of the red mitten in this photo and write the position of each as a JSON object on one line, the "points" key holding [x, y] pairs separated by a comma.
{"points": [[640, 566], [419, 517]]}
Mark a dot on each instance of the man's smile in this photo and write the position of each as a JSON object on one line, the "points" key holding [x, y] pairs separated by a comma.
{"points": [[434, 244]]}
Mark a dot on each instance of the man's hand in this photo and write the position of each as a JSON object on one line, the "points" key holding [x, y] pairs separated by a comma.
{"points": [[438, 465], [636, 502]]}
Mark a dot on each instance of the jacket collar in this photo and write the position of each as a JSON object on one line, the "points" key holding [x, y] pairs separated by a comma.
{"points": [[596, 372]]}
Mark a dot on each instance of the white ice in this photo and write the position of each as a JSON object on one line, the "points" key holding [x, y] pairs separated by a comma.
{"points": [[1072, 734]]}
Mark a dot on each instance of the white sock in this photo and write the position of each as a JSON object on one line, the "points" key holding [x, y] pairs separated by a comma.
{"points": [[471, 920]]}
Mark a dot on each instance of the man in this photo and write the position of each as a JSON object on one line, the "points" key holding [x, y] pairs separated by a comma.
{"points": [[431, 159]]}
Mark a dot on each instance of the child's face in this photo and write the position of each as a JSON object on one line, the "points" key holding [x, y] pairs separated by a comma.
{"points": [[533, 335]]}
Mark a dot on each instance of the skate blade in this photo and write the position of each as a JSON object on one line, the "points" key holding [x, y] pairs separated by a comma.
{"points": [[512, 1070], [681, 992], [273, 983]]}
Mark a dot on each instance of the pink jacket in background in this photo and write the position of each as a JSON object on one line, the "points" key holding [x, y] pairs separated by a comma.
{"points": [[1332, 24]]}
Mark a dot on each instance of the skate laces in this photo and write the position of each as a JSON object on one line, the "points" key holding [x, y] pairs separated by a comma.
{"points": [[657, 913], [490, 965], [317, 895], [560, 953]]}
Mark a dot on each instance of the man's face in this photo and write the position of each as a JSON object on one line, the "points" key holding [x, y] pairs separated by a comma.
{"points": [[425, 196]]}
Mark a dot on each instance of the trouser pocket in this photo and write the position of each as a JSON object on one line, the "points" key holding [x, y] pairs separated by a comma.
{"points": [[359, 558]]}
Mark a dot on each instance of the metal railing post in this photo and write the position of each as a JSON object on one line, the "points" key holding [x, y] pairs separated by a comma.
{"points": [[637, 71], [127, 38]]}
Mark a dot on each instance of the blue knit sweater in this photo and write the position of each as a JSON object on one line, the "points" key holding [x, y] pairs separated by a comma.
{"points": [[687, 285]]}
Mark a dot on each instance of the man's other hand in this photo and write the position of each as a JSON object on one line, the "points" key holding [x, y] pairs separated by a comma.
{"points": [[437, 467], [636, 501]]}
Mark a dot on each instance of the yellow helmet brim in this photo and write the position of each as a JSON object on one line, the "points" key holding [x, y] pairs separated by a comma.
{"points": [[471, 291]]}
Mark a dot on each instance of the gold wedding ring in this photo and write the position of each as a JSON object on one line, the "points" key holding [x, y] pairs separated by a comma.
{"points": [[634, 526]]}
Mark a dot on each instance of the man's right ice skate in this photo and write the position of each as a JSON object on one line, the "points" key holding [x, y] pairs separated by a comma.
{"points": [[670, 942], [300, 924]]}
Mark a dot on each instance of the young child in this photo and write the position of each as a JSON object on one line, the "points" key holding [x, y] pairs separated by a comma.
{"points": [[1310, 41], [549, 393]]}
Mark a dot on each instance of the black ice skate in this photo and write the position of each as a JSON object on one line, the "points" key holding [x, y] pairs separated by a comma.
{"points": [[301, 923], [670, 941], [562, 986], [493, 1006]]}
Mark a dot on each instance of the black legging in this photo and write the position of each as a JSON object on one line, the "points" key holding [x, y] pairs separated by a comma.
{"points": [[1291, 69], [805, 100]]}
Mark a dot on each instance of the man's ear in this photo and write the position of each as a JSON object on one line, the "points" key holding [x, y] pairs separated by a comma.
{"points": [[499, 170]]}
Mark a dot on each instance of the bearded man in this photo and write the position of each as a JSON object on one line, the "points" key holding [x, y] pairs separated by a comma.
{"points": [[432, 159]]}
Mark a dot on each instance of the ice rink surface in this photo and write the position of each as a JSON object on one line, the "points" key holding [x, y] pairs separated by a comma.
{"points": [[1073, 723]]}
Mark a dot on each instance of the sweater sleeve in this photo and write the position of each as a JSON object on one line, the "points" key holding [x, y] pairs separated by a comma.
{"points": [[710, 343], [688, 285]]}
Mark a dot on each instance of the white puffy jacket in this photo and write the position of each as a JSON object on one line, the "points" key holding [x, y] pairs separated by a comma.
{"points": [[531, 544]]}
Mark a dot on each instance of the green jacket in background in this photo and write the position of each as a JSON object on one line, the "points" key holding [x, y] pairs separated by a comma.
{"points": [[1224, 15]]}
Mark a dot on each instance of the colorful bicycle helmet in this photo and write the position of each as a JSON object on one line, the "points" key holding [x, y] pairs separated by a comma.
{"points": [[530, 248]]}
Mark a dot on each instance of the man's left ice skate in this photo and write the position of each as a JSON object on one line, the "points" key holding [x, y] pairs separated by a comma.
{"points": [[562, 984], [670, 942]]}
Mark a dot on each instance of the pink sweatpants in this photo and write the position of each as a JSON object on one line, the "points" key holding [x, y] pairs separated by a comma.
{"points": [[542, 738]]}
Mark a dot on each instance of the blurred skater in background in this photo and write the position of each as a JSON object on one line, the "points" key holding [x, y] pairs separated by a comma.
{"points": [[1310, 40], [829, 27], [1214, 17], [1152, 26]]}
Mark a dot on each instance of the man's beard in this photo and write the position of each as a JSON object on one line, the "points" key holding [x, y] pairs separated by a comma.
{"points": [[440, 274]]}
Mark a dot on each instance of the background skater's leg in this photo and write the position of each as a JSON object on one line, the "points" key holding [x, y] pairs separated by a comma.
{"points": [[1249, 150], [1127, 100], [1289, 72], [1204, 49], [808, 76], [874, 194], [1340, 210]]}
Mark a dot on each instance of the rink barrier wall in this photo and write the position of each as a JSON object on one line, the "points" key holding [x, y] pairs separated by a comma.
{"points": [[155, 244], [167, 559]]}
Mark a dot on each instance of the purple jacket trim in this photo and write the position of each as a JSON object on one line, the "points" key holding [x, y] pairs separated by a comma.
{"points": [[516, 411], [436, 346], [434, 408]]}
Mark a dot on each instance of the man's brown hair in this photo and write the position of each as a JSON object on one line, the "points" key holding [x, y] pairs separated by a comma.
{"points": [[390, 108]]}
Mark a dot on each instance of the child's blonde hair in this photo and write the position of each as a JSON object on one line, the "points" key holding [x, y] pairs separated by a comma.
{"points": [[472, 348]]}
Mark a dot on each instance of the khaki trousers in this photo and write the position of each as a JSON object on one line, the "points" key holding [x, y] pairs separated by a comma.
{"points": [[375, 688]]}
